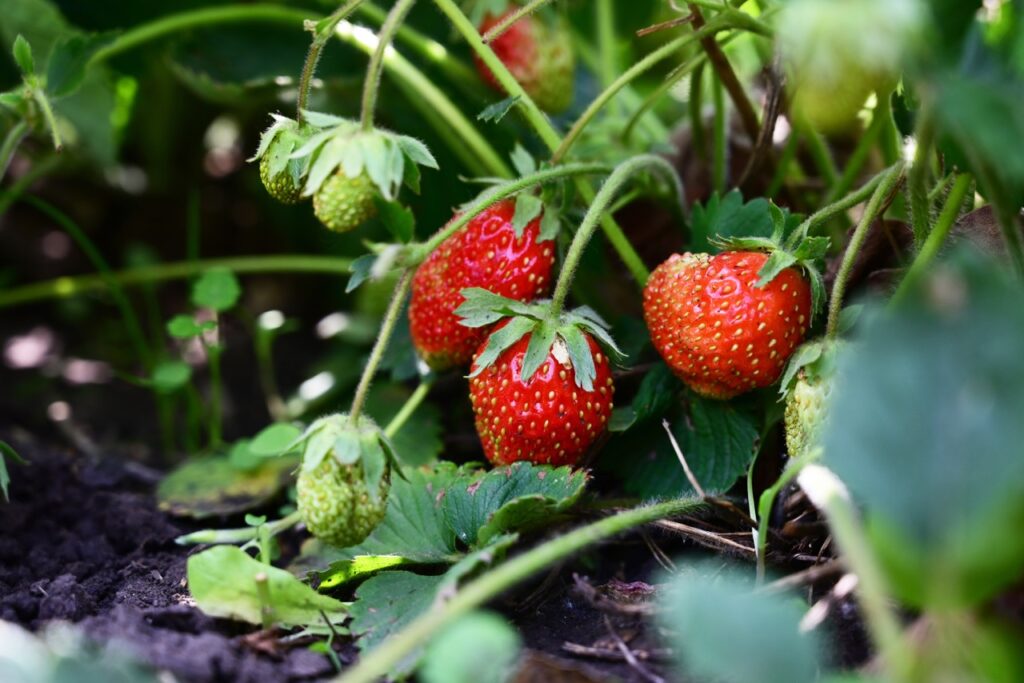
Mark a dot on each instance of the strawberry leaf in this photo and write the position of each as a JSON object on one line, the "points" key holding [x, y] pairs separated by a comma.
{"points": [[361, 269], [501, 340], [23, 56], [522, 161], [321, 120], [528, 207], [493, 113]]}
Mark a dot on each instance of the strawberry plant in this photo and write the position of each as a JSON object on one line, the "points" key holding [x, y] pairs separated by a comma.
{"points": [[471, 340]]}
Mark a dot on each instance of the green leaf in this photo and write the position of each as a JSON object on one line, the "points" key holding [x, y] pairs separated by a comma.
{"points": [[622, 419], [386, 603], [184, 327], [223, 583], [169, 376], [804, 355], [7, 452], [241, 458], [480, 507], [493, 113], [398, 219], [722, 218], [713, 617], [522, 161], [359, 567], [361, 269], [374, 462], [213, 486], [23, 56], [930, 436], [550, 224], [65, 71], [501, 340], [528, 207], [376, 162], [480, 647], [275, 439], [217, 289], [658, 391]]}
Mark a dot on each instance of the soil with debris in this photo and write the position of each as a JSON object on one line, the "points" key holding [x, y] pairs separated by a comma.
{"points": [[84, 542]]}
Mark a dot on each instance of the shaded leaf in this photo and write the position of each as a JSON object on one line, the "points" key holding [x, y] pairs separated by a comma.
{"points": [[217, 289], [213, 486], [494, 113]]}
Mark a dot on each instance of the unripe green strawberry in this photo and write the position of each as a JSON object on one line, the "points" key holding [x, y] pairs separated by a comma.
{"points": [[343, 204], [281, 187], [807, 385], [336, 505], [538, 55]]}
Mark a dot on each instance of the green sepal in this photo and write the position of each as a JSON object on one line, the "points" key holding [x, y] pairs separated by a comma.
{"points": [[580, 356], [374, 462], [348, 447], [528, 207], [391, 455], [542, 336], [817, 358], [522, 161], [23, 56], [501, 340], [482, 308]]}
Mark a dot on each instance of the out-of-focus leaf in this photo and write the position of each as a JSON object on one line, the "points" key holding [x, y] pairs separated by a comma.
{"points": [[480, 647], [721, 630], [926, 432], [213, 486], [217, 289]]}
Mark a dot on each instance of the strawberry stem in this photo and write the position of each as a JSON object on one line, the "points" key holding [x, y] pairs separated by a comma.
{"points": [[379, 661], [888, 184], [500, 192], [386, 329], [322, 34], [622, 173], [371, 84], [833, 209], [506, 23]]}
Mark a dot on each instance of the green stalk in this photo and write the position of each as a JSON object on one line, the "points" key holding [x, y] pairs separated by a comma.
{"points": [[917, 179], [407, 409], [131, 321], [604, 15], [321, 35], [506, 23], [719, 138], [767, 501], [825, 213], [499, 192], [872, 588], [622, 174], [221, 536], [534, 116], [638, 69], [888, 184], [383, 337], [371, 84], [822, 156], [863, 149], [51, 121], [379, 661], [209, 16], [66, 287], [933, 243], [11, 142]]}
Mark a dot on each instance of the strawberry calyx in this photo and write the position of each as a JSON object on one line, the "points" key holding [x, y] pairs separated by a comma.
{"points": [[565, 333], [814, 360], [277, 144], [363, 443], [388, 159], [800, 251]]}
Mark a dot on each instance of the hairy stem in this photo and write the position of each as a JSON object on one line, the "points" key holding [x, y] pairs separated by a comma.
{"points": [[383, 337], [888, 184], [380, 660], [11, 142], [371, 84], [322, 34], [933, 243], [51, 120], [220, 536], [622, 174], [839, 206], [917, 179]]}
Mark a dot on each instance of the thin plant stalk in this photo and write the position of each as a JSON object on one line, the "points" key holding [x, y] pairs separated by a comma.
{"points": [[506, 23], [371, 84], [407, 409], [321, 34]]}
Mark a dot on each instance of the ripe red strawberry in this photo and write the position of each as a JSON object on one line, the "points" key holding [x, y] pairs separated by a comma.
{"points": [[547, 419], [539, 56], [485, 253], [718, 331]]}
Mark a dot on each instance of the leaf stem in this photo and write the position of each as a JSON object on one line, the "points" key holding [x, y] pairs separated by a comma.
{"points": [[221, 536], [66, 287], [767, 501], [383, 337], [506, 23], [10, 145], [51, 121], [499, 192], [380, 660], [886, 186], [622, 173], [933, 243], [322, 33], [844, 204], [917, 179], [407, 409], [371, 84]]}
